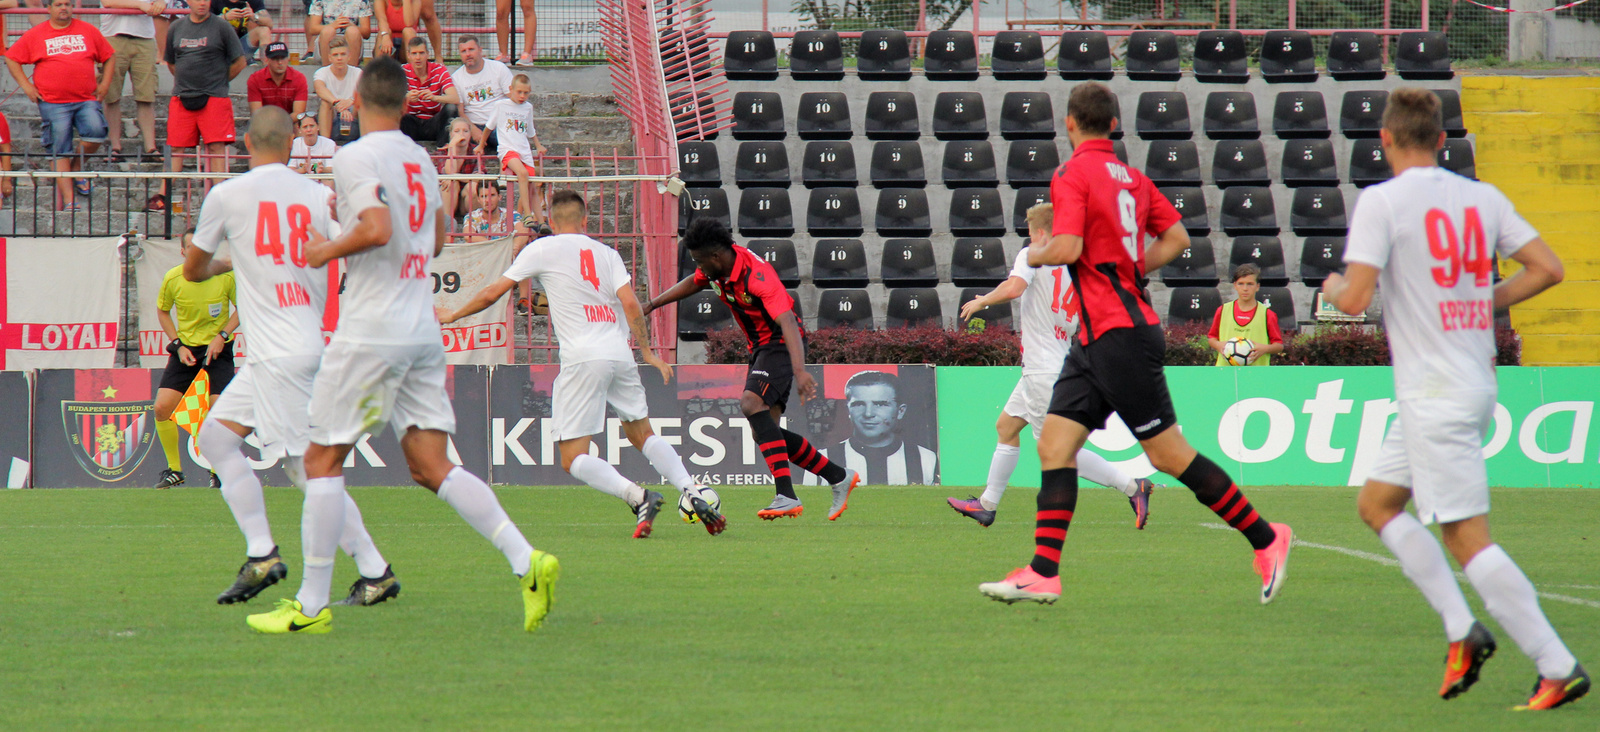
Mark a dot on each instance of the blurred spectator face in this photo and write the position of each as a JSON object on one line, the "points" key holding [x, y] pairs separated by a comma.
{"points": [[199, 9], [339, 56], [277, 66], [519, 92], [418, 56], [489, 194], [61, 11], [471, 54], [308, 129]]}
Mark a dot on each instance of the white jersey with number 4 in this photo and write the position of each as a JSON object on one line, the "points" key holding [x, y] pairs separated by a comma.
{"points": [[1434, 234], [581, 276], [264, 216], [388, 295], [1049, 315]]}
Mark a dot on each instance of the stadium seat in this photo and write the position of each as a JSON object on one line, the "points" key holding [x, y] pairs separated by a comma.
{"points": [[883, 55], [781, 255], [1309, 163], [892, 115], [978, 262], [1084, 56], [1300, 115], [1318, 211], [750, 56], [1153, 56], [701, 313], [708, 202], [698, 164], [839, 263], [823, 116], [1119, 149], [828, 164], [968, 163], [951, 56], [765, 212], [993, 316], [976, 212], [686, 107], [1265, 252], [1027, 115], [794, 297], [844, 308], [1231, 116], [1248, 210], [833, 212], [1288, 56], [1173, 163], [1361, 113], [1032, 163], [1026, 198], [1450, 111], [1368, 164], [1456, 156], [757, 116], [1193, 305], [815, 55], [1018, 56], [1319, 257], [897, 164], [910, 307], [1162, 116], [1191, 205], [903, 212], [761, 163], [908, 263], [1220, 57], [1423, 55], [1195, 266], [960, 116], [686, 265], [1354, 56], [1281, 301], [1239, 163]]}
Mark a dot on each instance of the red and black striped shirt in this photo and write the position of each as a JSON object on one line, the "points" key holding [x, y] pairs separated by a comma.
{"points": [[754, 294]]}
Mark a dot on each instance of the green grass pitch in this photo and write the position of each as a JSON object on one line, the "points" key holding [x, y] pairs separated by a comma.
{"points": [[873, 622]]}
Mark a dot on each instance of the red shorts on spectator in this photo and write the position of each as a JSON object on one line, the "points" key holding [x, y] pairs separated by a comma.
{"points": [[5, 130], [214, 123], [505, 161]]}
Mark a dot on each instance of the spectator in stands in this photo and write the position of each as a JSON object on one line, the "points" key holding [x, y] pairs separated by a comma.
{"points": [[511, 120], [502, 31], [457, 158], [1244, 318], [203, 55], [480, 83], [63, 52], [492, 218], [326, 19], [311, 152], [5, 150], [163, 23], [133, 46], [336, 94], [430, 97], [397, 25], [250, 21], [277, 84]]}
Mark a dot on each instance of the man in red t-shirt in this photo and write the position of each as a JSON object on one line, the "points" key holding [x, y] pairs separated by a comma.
{"points": [[1104, 211], [277, 84], [431, 96], [1246, 282], [66, 87]]}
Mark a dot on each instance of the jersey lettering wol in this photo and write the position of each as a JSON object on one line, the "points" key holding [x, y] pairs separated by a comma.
{"points": [[581, 276], [1049, 315], [754, 294]]}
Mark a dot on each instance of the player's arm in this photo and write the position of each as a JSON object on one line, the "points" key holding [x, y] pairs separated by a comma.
{"points": [[1352, 291], [1062, 249], [797, 355], [371, 230], [200, 265], [685, 287], [641, 330], [479, 302], [1166, 247], [221, 340], [1541, 270], [439, 231], [1007, 291], [1214, 336]]}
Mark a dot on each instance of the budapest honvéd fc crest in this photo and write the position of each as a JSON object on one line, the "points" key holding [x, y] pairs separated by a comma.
{"points": [[111, 438]]}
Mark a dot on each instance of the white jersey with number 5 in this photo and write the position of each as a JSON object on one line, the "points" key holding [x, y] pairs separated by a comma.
{"points": [[388, 295], [263, 216], [1434, 235], [581, 276], [1049, 315]]}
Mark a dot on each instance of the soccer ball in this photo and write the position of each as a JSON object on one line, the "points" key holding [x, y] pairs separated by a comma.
{"points": [[686, 503], [1237, 351]]}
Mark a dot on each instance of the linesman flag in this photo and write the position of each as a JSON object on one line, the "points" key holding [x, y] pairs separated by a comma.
{"points": [[196, 402]]}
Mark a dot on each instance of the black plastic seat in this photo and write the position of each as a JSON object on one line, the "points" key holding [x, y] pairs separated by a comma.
{"points": [[1220, 57], [750, 56], [765, 212], [897, 164], [1084, 56], [1018, 56], [695, 203], [815, 55], [1309, 163], [761, 163], [1173, 163], [781, 255], [757, 116], [978, 262], [1288, 56], [1265, 252], [910, 307], [828, 164], [1239, 163], [1248, 210], [698, 164], [839, 263], [1320, 256], [1279, 300], [823, 116], [1195, 266], [892, 115], [1318, 211], [960, 116], [1457, 157], [1450, 112], [1032, 163], [1423, 56], [976, 212], [1193, 305], [1163, 116], [1368, 164], [951, 56], [1231, 116], [883, 55], [903, 212], [968, 163], [1026, 198], [833, 212], [1027, 115], [844, 308], [1153, 56], [686, 265], [1191, 205], [688, 109], [1355, 56], [908, 263], [1300, 115], [992, 316], [1119, 149], [1361, 113], [701, 313]]}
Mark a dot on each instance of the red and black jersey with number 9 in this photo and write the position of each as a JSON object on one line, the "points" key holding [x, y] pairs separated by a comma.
{"points": [[755, 295]]}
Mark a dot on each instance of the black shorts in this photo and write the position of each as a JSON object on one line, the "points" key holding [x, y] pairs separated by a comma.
{"points": [[1118, 372], [771, 375], [178, 376]]}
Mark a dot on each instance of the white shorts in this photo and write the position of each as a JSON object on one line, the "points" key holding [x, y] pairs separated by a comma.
{"points": [[582, 391], [1435, 448], [272, 397], [1030, 400], [362, 386]]}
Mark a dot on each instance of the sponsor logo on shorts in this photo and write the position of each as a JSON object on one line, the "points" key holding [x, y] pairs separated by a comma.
{"points": [[758, 373], [1148, 425]]}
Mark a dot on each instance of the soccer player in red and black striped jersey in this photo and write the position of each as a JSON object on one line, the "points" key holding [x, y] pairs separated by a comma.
{"points": [[1104, 211], [749, 286]]}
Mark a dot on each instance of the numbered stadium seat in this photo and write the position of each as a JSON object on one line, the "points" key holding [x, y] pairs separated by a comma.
{"points": [[883, 55], [1172, 163], [1309, 163], [993, 316], [1220, 57], [765, 212], [951, 56], [1354, 56], [757, 116], [828, 164], [1423, 55], [903, 212], [844, 308], [1084, 56], [1456, 156], [976, 212], [1361, 113], [910, 307], [1193, 305], [897, 164], [823, 116], [1153, 56], [960, 116], [1191, 205], [1120, 150], [1032, 163], [1025, 199], [686, 265], [833, 212], [761, 163], [908, 263], [1300, 115], [686, 108], [968, 163], [1027, 115], [1248, 210], [1318, 211], [1195, 266], [750, 56], [1288, 57], [1319, 257], [815, 55], [1239, 163], [1162, 116], [781, 255], [1231, 116], [1265, 252], [839, 263], [698, 164], [1368, 165], [707, 202], [1450, 112], [1017, 56], [702, 313], [978, 262], [892, 115], [1281, 301]]}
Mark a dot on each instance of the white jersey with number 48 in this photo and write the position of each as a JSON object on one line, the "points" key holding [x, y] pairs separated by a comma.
{"points": [[1434, 235], [581, 276], [1049, 315]]}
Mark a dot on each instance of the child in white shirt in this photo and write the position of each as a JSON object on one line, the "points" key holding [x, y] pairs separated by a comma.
{"points": [[512, 122]]}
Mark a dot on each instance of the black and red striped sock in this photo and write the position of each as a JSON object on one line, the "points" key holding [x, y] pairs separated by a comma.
{"points": [[774, 448], [1058, 498], [1213, 487], [801, 453]]}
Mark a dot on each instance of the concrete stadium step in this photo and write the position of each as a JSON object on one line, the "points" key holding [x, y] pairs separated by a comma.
{"points": [[1560, 350]]}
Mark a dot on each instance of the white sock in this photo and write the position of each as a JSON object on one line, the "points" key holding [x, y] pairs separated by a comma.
{"points": [[240, 487], [1423, 561], [1097, 469], [321, 523], [1001, 466], [667, 462], [476, 503], [356, 542], [1511, 599], [602, 477]]}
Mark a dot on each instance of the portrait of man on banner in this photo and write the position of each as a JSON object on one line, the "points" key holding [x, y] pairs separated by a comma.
{"points": [[878, 427]]}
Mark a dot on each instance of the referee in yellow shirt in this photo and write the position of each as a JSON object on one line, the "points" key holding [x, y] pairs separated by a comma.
{"points": [[200, 338]]}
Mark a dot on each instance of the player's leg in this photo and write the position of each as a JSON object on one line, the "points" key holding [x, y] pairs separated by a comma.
{"points": [[842, 480], [766, 392], [626, 396], [167, 432], [1097, 469], [1007, 450], [221, 442], [579, 406], [502, 29]]}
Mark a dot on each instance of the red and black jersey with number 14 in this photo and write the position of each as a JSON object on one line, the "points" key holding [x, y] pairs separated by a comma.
{"points": [[755, 295]]}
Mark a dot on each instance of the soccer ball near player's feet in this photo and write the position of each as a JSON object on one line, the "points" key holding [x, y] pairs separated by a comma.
{"points": [[1237, 351], [710, 508]]}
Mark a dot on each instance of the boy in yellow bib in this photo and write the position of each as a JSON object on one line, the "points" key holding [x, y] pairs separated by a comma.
{"points": [[1244, 318]]}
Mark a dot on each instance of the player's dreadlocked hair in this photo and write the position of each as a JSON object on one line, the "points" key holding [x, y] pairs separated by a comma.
{"points": [[706, 233]]}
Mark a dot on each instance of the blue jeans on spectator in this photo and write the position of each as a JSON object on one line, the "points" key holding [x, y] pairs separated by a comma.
{"points": [[57, 122]]}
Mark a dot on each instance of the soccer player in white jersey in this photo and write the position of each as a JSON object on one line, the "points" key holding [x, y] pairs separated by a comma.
{"points": [[593, 306], [1427, 237], [1049, 318], [385, 363], [264, 216]]}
